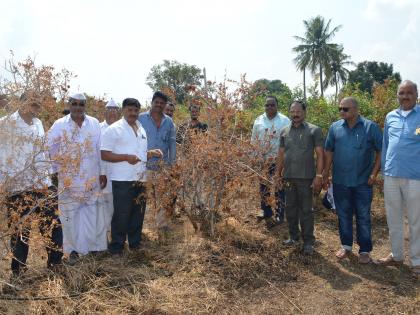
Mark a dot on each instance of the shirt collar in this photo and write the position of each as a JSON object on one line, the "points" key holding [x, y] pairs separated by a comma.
{"points": [[19, 118], [302, 125], [359, 121], [416, 108], [69, 120], [126, 124], [266, 117]]}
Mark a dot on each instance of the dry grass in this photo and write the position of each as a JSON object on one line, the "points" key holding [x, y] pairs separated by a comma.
{"points": [[244, 270]]}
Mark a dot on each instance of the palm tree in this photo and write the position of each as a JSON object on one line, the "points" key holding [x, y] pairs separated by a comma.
{"points": [[302, 62], [336, 71], [316, 46]]}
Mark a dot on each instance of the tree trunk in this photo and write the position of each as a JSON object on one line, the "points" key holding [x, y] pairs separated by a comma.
{"points": [[320, 80], [304, 84], [336, 88]]}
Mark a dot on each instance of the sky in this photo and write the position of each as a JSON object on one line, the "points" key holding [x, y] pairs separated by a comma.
{"points": [[112, 45]]}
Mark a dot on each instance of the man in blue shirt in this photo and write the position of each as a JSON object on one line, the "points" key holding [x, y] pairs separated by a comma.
{"points": [[160, 131], [350, 146], [401, 169]]}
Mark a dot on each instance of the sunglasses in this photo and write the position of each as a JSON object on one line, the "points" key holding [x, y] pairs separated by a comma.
{"points": [[343, 109], [78, 104]]}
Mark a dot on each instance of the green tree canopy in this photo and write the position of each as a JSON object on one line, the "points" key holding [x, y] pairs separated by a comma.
{"points": [[367, 73], [315, 48], [176, 76]]}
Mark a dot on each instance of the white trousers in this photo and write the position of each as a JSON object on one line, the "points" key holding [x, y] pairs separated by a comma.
{"points": [[403, 194], [106, 210], [79, 220]]}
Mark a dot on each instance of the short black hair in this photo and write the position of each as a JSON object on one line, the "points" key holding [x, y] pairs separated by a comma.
{"points": [[171, 104], [302, 103], [273, 97], [160, 95], [131, 102]]}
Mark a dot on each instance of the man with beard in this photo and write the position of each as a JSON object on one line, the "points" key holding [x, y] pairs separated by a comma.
{"points": [[74, 148]]}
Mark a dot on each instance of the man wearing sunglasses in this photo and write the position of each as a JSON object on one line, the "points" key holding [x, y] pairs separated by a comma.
{"points": [[74, 145], [266, 137], [353, 146]]}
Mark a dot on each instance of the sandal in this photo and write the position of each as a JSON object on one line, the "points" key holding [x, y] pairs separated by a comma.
{"points": [[342, 253]]}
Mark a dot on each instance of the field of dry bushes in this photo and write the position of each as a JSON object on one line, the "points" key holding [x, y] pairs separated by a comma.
{"points": [[243, 269]]}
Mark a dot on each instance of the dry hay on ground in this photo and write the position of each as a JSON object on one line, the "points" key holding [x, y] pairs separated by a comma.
{"points": [[243, 270]]}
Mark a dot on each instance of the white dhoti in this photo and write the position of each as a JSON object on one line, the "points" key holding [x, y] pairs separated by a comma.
{"points": [[106, 210], [79, 221]]}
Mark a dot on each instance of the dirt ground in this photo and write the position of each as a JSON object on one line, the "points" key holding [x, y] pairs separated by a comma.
{"points": [[244, 269]]}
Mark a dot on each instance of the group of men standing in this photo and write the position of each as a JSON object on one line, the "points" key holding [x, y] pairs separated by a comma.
{"points": [[102, 170], [355, 149], [99, 200]]}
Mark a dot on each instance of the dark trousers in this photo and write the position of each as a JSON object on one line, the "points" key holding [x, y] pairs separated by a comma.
{"points": [[354, 200], [299, 209], [278, 195], [129, 209], [23, 210]]}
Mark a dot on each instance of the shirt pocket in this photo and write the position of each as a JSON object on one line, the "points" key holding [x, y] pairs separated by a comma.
{"points": [[360, 141]]}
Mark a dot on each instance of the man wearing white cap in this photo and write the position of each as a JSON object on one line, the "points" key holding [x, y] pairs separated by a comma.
{"points": [[74, 143], [106, 207]]}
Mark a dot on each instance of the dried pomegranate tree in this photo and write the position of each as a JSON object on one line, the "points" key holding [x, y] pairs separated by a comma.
{"points": [[48, 87], [216, 171]]}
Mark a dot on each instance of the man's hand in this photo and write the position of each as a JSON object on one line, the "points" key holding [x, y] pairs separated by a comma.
{"points": [[278, 182], [102, 181], [155, 153], [326, 181], [132, 159], [372, 180], [317, 185]]}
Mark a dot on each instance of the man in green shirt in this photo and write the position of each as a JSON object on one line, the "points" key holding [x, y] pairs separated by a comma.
{"points": [[302, 177]]}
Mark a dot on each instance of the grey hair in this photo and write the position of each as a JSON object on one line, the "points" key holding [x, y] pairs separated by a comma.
{"points": [[408, 82]]}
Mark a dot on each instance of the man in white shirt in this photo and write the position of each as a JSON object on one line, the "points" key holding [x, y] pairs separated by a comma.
{"points": [[124, 146], [74, 142], [24, 176], [106, 206], [266, 136]]}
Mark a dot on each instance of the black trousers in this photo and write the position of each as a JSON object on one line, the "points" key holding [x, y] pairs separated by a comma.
{"points": [[128, 217], [23, 210]]}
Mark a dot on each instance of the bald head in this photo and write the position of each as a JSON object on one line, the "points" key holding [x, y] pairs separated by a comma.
{"points": [[408, 83], [349, 109], [350, 101], [407, 94]]}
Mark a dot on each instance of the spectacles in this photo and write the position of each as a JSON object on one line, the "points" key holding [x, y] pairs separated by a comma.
{"points": [[78, 104], [344, 109], [270, 105], [112, 109]]}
